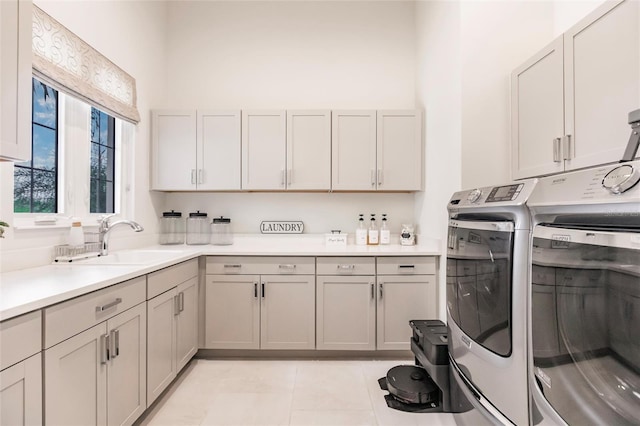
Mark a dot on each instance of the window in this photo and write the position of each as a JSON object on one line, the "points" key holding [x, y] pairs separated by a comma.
{"points": [[102, 162], [36, 180]]}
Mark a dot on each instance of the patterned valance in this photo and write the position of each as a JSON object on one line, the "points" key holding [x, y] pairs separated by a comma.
{"points": [[65, 61]]}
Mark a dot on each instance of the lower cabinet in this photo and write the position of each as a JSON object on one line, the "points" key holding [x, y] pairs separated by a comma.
{"points": [[260, 312], [400, 300], [99, 375], [21, 393], [172, 319], [346, 313]]}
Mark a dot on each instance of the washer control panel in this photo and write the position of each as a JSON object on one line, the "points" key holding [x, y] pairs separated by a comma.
{"points": [[504, 193], [511, 194]]}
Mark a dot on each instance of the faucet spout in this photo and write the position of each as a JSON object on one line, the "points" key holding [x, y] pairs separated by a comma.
{"points": [[105, 230]]}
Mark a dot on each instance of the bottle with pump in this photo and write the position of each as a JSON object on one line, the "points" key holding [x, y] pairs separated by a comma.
{"points": [[372, 236], [361, 232], [385, 233]]}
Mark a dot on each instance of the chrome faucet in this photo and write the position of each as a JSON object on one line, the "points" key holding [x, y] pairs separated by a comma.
{"points": [[106, 226]]}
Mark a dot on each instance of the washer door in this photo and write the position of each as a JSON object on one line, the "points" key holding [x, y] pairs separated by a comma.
{"points": [[586, 323]]}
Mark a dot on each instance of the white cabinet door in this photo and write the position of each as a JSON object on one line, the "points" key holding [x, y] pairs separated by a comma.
{"points": [[187, 322], [353, 150], [21, 393], [232, 312], [346, 313], [161, 343], [602, 82], [537, 113], [308, 150], [400, 300], [218, 150], [15, 80], [399, 151], [75, 384], [263, 150], [127, 368], [287, 312], [173, 137]]}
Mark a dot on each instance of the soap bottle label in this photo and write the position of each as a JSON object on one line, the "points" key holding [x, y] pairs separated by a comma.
{"points": [[373, 237], [361, 237], [385, 236]]}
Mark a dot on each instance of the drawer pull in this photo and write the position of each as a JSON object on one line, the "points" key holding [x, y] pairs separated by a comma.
{"points": [[263, 290], [381, 293], [287, 266], [181, 301], [406, 266], [176, 304], [108, 305], [114, 343], [373, 291], [235, 266], [255, 290], [346, 267]]}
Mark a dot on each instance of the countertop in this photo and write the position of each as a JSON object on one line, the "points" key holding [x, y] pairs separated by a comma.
{"points": [[35, 288]]}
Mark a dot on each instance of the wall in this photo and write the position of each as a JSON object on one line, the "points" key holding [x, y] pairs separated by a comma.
{"points": [[567, 13], [438, 92], [131, 34], [495, 37], [279, 55]]}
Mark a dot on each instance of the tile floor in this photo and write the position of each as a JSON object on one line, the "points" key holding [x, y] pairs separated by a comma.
{"points": [[283, 392]]}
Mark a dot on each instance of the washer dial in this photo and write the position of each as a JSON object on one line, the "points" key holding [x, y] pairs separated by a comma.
{"points": [[474, 195], [621, 179]]}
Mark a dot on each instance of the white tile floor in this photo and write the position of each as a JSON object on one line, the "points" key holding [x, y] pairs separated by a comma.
{"points": [[283, 392]]}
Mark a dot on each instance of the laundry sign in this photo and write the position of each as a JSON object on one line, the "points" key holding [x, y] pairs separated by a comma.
{"points": [[281, 227]]}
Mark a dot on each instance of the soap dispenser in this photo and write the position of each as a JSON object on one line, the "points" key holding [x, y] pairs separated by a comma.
{"points": [[361, 232], [372, 236], [385, 233]]}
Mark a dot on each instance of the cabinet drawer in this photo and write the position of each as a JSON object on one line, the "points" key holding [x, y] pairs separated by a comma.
{"points": [[260, 265], [406, 265], [346, 266], [165, 279], [20, 338], [68, 318]]}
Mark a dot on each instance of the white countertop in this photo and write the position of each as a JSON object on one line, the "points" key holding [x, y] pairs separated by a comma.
{"points": [[35, 288]]}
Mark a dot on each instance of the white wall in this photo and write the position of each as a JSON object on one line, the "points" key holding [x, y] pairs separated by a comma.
{"points": [[132, 35], [567, 12], [280, 55], [438, 92], [496, 37]]}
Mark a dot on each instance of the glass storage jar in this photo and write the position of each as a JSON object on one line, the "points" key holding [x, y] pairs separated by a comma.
{"points": [[221, 231], [172, 228], [198, 229]]}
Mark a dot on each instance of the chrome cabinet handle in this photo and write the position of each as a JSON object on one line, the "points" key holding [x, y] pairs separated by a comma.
{"points": [[108, 305], [104, 348], [289, 173], [263, 290], [181, 301], [193, 176], [176, 304], [373, 178], [379, 177], [282, 177], [287, 266], [346, 268], [373, 291], [255, 290], [200, 174], [381, 292], [557, 150], [233, 266], [566, 147], [406, 266], [114, 344]]}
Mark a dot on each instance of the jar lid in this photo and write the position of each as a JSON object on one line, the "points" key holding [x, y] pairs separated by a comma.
{"points": [[172, 214], [221, 219], [197, 214]]}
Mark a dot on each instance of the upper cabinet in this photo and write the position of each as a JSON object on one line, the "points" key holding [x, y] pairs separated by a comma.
{"points": [[195, 150], [309, 150], [263, 150], [294, 150], [399, 151], [571, 100], [377, 150], [15, 80]]}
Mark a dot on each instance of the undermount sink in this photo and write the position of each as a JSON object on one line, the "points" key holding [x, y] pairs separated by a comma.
{"points": [[130, 257]]}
